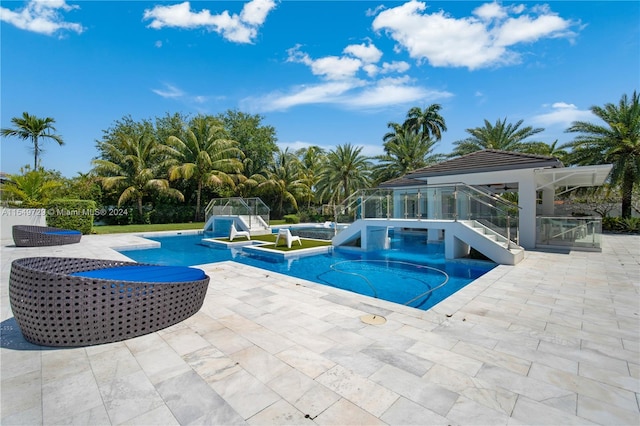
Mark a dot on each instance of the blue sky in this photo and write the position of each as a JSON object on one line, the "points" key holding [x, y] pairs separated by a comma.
{"points": [[321, 72]]}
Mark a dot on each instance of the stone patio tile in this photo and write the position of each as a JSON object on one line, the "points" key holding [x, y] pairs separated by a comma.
{"points": [[112, 364], [432, 338], [306, 361], [352, 359], [584, 355], [246, 394], [447, 358], [316, 400], [280, 413], [60, 363], [20, 395], [93, 416], [158, 360], [624, 381], [315, 342], [510, 362], [584, 386], [602, 413], [365, 393], [193, 401], [535, 389], [185, 341], [400, 359], [226, 340], [16, 363], [126, 397], [480, 391], [211, 364], [528, 411], [260, 363], [32, 416], [158, 416], [526, 353], [429, 395], [468, 412], [70, 395], [291, 385], [406, 412], [344, 412]]}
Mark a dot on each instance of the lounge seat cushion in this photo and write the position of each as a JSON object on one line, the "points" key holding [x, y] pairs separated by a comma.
{"points": [[145, 273], [63, 232]]}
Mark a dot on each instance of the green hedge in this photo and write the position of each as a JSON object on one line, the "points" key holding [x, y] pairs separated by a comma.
{"points": [[291, 218], [72, 214]]}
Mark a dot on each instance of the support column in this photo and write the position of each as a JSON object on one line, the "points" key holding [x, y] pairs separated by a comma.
{"points": [[527, 203], [548, 197]]}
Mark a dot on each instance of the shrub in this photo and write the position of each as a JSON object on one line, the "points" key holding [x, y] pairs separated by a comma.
{"points": [[71, 214], [618, 224], [291, 218]]}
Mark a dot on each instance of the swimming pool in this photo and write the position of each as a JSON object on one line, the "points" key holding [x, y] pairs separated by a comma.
{"points": [[411, 272]]}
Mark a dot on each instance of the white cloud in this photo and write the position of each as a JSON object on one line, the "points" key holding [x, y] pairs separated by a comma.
{"points": [[41, 16], [303, 95], [563, 114], [368, 53], [242, 28], [348, 94], [169, 91], [485, 39]]}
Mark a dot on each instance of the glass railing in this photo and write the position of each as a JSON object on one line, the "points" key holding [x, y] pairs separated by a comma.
{"points": [[251, 210], [571, 232], [440, 202]]}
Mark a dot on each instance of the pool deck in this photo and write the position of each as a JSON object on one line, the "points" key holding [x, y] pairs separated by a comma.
{"points": [[554, 340]]}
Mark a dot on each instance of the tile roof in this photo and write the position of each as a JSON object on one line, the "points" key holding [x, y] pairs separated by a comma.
{"points": [[488, 160]]}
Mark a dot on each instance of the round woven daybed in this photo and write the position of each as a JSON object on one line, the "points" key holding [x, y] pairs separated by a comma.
{"points": [[38, 236], [59, 301]]}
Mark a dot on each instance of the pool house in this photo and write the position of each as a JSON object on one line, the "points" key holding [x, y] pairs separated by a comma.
{"points": [[462, 202]]}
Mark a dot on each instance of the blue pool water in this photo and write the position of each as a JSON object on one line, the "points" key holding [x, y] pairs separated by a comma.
{"points": [[411, 272]]}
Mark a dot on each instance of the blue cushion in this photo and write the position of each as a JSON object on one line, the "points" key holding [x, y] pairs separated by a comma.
{"points": [[62, 232], [145, 273]]}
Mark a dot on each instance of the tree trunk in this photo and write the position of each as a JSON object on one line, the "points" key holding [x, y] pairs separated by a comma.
{"points": [[198, 195], [627, 191]]}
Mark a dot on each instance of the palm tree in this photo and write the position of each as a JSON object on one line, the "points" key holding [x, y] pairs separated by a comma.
{"points": [[548, 150], [406, 152], [283, 180], [428, 122], [345, 171], [136, 163], [34, 128], [34, 188], [617, 143], [206, 156], [311, 160], [502, 136]]}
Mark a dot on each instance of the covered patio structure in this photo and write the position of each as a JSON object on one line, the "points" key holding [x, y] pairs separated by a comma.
{"points": [[536, 179]]}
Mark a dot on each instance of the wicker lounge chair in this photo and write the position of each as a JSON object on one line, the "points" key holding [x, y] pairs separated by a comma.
{"points": [[60, 301], [37, 236]]}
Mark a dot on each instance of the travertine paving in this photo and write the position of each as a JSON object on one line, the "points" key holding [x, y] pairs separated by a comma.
{"points": [[553, 340]]}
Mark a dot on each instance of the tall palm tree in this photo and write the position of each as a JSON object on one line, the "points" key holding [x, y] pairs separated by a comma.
{"points": [[206, 156], [311, 160], [345, 171], [34, 128], [406, 152], [283, 180], [134, 168], [503, 136], [428, 122], [617, 142]]}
